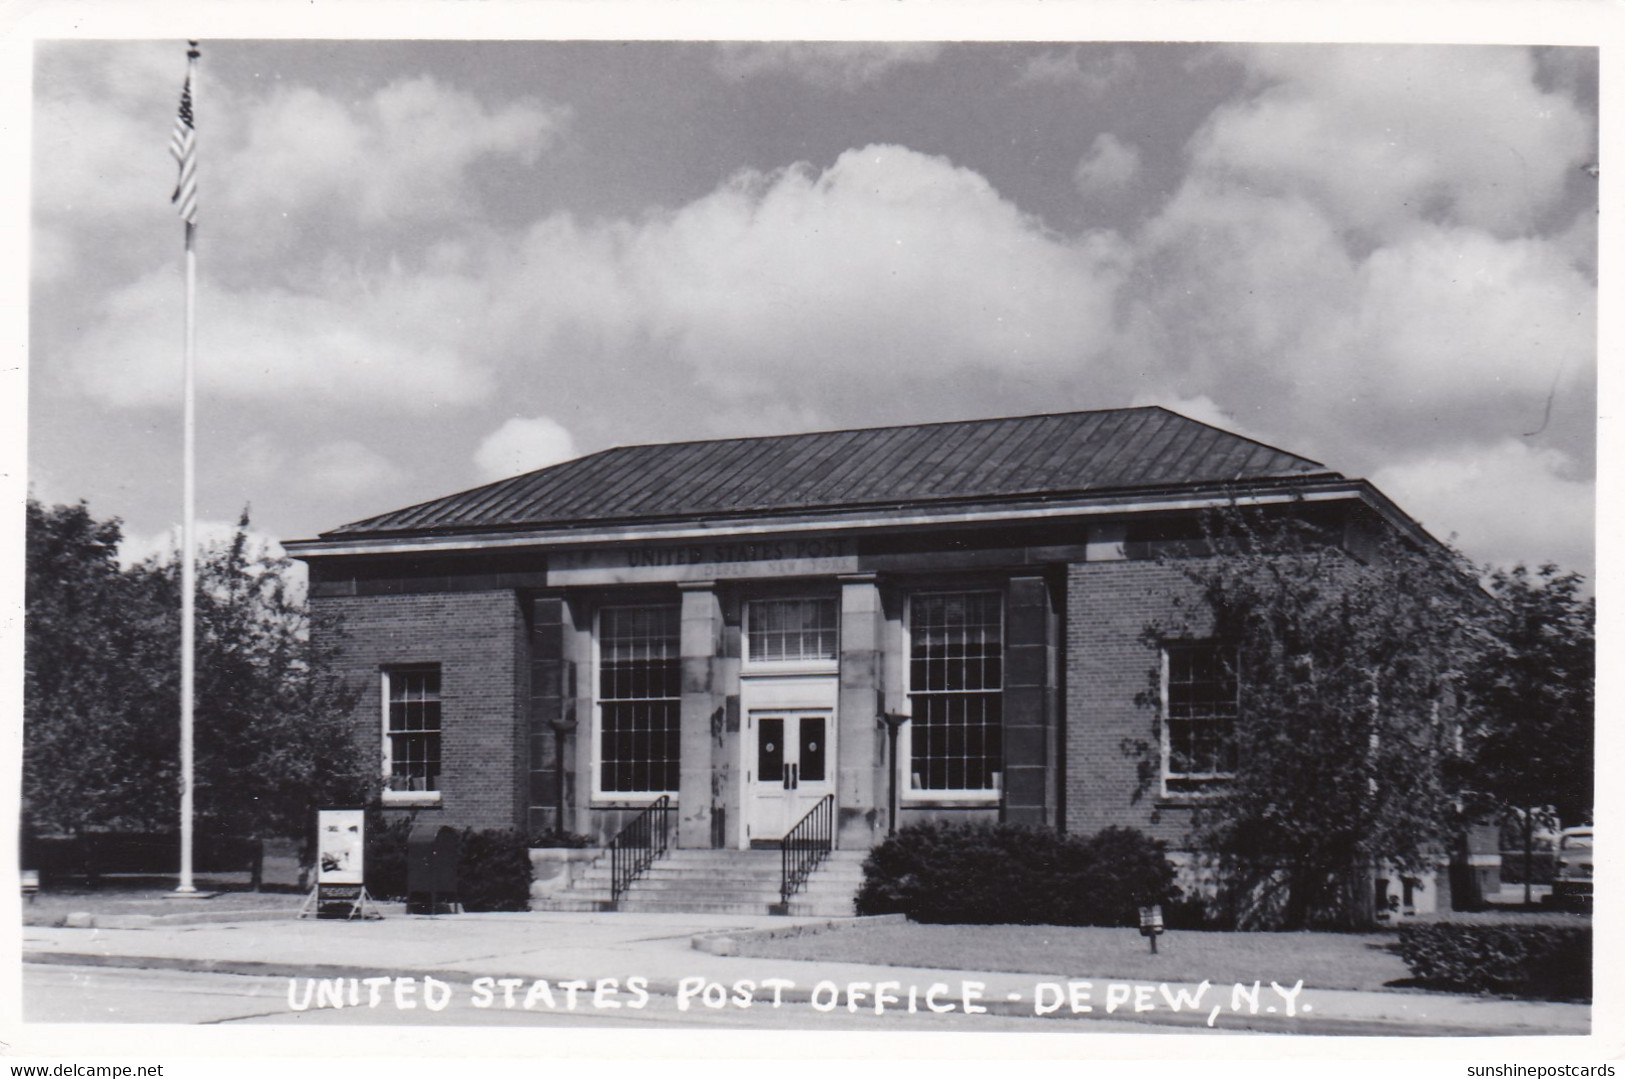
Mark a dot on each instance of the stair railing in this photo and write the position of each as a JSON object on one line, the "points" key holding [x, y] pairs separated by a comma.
{"points": [[805, 847], [635, 847]]}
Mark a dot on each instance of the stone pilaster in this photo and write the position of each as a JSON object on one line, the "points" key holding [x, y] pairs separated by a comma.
{"points": [[860, 793], [702, 779]]}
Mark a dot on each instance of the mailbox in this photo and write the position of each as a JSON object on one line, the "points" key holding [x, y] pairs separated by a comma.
{"points": [[432, 853]]}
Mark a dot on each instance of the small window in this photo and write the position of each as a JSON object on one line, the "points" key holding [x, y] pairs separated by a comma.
{"points": [[412, 729], [790, 631], [1199, 715]]}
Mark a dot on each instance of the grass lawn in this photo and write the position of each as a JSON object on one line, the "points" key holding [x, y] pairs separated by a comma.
{"points": [[1322, 960], [147, 896]]}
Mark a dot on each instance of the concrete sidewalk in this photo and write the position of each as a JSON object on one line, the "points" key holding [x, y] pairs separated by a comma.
{"points": [[676, 957]]}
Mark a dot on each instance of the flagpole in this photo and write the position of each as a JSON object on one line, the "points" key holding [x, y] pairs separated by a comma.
{"points": [[188, 522]]}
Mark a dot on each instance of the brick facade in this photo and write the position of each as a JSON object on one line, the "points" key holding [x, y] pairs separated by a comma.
{"points": [[478, 640], [1108, 736]]}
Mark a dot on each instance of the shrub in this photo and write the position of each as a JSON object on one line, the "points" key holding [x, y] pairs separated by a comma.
{"points": [[1548, 958], [386, 856], [1001, 873], [1542, 866], [558, 837], [495, 871]]}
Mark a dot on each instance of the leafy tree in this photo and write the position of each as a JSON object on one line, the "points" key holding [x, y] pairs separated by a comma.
{"points": [[1533, 745], [92, 673], [1344, 747], [102, 689]]}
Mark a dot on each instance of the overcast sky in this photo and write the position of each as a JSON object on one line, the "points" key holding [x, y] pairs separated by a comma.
{"points": [[424, 266]]}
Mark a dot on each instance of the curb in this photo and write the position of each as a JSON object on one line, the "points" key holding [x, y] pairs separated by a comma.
{"points": [[84, 920], [727, 941], [1188, 1021]]}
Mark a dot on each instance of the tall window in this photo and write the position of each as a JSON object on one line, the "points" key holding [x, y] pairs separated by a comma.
{"points": [[1199, 719], [639, 699], [790, 631], [956, 672], [412, 728]]}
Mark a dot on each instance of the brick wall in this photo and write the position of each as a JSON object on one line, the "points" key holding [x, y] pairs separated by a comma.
{"points": [[1108, 605], [477, 638]]}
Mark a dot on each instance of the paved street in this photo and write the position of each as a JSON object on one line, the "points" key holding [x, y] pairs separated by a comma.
{"points": [[241, 972], [68, 994]]}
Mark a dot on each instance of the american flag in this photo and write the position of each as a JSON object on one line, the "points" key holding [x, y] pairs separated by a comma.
{"points": [[183, 147]]}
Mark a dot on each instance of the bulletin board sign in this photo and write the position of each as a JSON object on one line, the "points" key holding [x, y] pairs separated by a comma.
{"points": [[340, 846], [341, 890]]}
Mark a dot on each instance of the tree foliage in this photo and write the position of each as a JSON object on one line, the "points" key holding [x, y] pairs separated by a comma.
{"points": [[1533, 689], [1346, 749], [102, 689]]}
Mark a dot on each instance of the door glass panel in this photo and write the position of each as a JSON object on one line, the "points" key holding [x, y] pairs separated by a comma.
{"points": [[770, 751], [812, 749]]}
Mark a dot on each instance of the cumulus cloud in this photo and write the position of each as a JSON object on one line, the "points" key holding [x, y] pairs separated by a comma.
{"points": [[890, 265], [274, 170], [401, 344], [832, 65], [406, 151], [210, 535], [1509, 502], [1108, 167], [1093, 70], [1386, 296], [523, 445], [347, 467], [1382, 137]]}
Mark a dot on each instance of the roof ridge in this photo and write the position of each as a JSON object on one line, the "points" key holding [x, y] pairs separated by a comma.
{"points": [[881, 427]]}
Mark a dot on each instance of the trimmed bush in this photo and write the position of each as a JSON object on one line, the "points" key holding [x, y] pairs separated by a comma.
{"points": [[1545, 959], [558, 837], [495, 871], [386, 857], [1007, 874]]}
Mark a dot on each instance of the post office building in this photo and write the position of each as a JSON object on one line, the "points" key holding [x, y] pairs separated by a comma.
{"points": [[896, 624]]}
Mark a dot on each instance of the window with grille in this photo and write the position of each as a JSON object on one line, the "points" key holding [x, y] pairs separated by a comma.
{"points": [[790, 631], [639, 699], [412, 728], [1199, 715], [956, 672]]}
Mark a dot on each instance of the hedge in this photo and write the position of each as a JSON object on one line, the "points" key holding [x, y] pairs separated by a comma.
{"points": [[493, 872], [1542, 866], [1543, 959], [86, 858], [1008, 874]]}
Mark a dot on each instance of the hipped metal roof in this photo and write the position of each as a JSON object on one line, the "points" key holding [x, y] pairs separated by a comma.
{"points": [[1063, 454]]}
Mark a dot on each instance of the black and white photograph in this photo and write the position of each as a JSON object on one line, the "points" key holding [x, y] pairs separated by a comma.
{"points": [[679, 533]]}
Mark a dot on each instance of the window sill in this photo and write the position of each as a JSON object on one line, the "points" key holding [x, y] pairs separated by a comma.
{"points": [[768, 669], [411, 799], [1175, 799], [925, 799]]}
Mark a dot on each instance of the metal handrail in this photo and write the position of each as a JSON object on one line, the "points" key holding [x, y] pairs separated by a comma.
{"points": [[805, 846], [637, 845]]}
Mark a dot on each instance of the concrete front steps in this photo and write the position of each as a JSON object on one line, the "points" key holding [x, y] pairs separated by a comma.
{"points": [[716, 882]]}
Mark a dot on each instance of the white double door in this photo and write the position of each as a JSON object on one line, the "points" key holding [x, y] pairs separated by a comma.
{"points": [[789, 754]]}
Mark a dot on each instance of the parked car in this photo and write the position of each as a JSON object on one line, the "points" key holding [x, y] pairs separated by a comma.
{"points": [[1571, 886]]}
